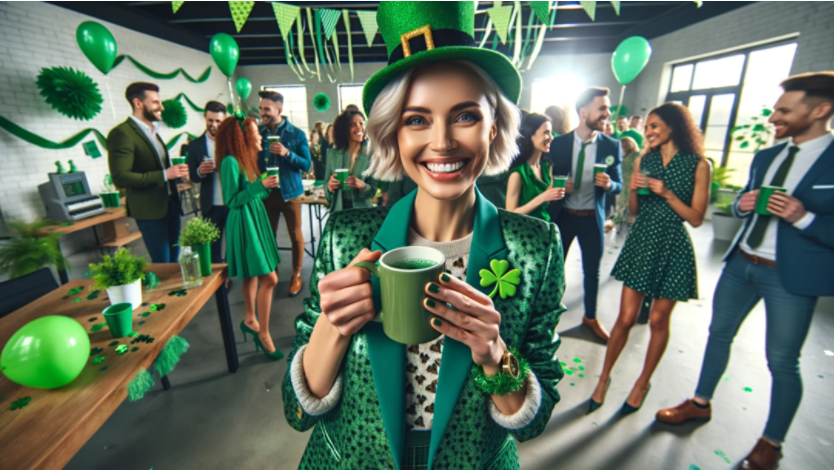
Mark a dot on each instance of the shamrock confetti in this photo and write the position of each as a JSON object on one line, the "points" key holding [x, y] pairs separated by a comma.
{"points": [[113, 343], [75, 290], [144, 304], [95, 351], [581, 367], [160, 307], [93, 319], [153, 307], [141, 323], [97, 327], [93, 295], [145, 314], [568, 371], [748, 389], [151, 281], [98, 360], [76, 300], [577, 360], [133, 334], [505, 282], [121, 349], [20, 403], [721, 454], [134, 349], [142, 339], [103, 368], [178, 293]]}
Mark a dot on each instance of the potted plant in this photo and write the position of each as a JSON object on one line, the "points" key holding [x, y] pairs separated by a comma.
{"points": [[121, 275], [27, 252], [199, 234], [724, 224]]}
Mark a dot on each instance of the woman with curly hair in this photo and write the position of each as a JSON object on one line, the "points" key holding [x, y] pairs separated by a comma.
{"points": [[251, 251], [657, 260]]}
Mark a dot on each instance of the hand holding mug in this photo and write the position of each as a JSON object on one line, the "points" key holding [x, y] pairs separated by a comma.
{"points": [[785, 206], [333, 183], [270, 182], [277, 148], [176, 171], [658, 187], [638, 180], [748, 201], [552, 194], [346, 296], [206, 167], [356, 183], [602, 180], [473, 321]]}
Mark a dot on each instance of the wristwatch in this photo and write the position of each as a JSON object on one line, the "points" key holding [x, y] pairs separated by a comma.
{"points": [[509, 364]]}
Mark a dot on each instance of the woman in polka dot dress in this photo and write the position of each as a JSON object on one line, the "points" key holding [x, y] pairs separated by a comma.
{"points": [[657, 260]]}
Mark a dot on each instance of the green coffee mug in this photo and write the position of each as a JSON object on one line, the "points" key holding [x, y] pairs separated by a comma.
{"points": [[177, 160], [342, 176], [272, 171], [403, 288], [560, 181], [273, 139], [600, 168], [764, 195]]}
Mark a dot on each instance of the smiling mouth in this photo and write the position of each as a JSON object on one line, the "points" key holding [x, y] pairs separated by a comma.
{"points": [[445, 170]]}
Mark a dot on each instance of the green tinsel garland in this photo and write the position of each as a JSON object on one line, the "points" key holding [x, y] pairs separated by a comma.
{"points": [[140, 385], [501, 383], [174, 115], [321, 102], [70, 92], [170, 355]]}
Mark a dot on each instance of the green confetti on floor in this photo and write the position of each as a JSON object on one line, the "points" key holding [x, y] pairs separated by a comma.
{"points": [[820, 376], [572, 384], [134, 349], [577, 360], [723, 456], [144, 304], [121, 349], [726, 378], [582, 375], [581, 367], [92, 319], [98, 359], [569, 372], [142, 322], [692, 466], [748, 389], [563, 364], [95, 351], [93, 295]]}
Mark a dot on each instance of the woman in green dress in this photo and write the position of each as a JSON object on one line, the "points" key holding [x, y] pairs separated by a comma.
{"points": [[251, 251], [349, 152], [529, 188], [658, 260], [443, 116]]}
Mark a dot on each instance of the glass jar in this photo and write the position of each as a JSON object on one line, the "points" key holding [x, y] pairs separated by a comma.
{"points": [[190, 266]]}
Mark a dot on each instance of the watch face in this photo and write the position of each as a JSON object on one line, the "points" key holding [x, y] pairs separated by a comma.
{"points": [[511, 365]]}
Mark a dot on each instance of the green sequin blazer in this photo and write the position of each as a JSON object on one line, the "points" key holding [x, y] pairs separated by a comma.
{"points": [[366, 429]]}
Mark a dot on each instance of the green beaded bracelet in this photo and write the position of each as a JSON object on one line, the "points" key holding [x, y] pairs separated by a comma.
{"points": [[502, 383]]}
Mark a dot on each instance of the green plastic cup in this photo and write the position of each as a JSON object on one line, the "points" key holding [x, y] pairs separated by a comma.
{"points": [[560, 181], [600, 168], [644, 190], [273, 139], [272, 171], [178, 160], [342, 176], [764, 195], [110, 199], [119, 319]]}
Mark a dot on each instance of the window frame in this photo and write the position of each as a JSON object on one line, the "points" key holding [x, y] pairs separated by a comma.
{"points": [[306, 112], [342, 105]]}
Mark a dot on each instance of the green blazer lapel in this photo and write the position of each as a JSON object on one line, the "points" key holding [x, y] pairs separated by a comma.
{"points": [[456, 360], [139, 132], [387, 356]]}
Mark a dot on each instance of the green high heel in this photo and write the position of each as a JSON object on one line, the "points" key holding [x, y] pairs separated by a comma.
{"points": [[274, 355], [245, 329]]}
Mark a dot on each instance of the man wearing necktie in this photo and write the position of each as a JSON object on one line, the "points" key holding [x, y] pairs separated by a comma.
{"points": [[581, 213], [785, 258]]}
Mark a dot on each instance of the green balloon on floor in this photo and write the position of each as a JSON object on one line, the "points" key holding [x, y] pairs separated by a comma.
{"points": [[49, 352]]}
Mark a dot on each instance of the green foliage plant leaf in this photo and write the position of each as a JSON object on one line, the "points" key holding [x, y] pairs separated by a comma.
{"points": [[120, 269], [26, 253], [199, 231]]}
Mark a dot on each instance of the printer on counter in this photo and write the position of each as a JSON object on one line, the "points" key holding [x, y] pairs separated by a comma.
{"points": [[67, 197]]}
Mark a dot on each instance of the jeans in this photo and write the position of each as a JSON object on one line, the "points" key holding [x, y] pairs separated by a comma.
{"points": [[741, 286], [161, 236], [218, 216], [275, 206], [590, 242]]}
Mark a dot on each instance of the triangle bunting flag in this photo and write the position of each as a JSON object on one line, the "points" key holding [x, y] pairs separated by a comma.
{"points": [[285, 15], [240, 12], [542, 10], [368, 21], [500, 17], [176, 6], [590, 8], [329, 18], [616, 6]]}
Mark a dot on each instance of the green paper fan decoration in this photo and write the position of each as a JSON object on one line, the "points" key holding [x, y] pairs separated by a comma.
{"points": [[174, 115], [70, 92], [321, 102]]}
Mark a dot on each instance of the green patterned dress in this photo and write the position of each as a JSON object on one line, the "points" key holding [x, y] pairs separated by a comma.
{"points": [[532, 186], [657, 258]]}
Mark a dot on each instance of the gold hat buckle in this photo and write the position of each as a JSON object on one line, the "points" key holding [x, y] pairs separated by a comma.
{"points": [[424, 31]]}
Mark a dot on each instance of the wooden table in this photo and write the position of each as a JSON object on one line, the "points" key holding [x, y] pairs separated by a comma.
{"points": [[314, 203], [48, 432]]}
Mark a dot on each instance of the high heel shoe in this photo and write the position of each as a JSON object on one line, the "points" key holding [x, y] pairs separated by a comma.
{"points": [[593, 406], [244, 328], [274, 355], [628, 409]]}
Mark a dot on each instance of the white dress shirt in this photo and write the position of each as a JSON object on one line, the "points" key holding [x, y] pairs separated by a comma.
{"points": [[584, 198], [151, 134], [217, 200], [808, 154]]}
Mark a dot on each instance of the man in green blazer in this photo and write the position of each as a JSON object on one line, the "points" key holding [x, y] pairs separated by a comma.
{"points": [[138, 161]]}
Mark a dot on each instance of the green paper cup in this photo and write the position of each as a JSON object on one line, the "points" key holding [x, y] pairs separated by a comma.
{"points": [[403, 274], [178, 160], [600, 168], [273, 139], [342, 176], [110, 199], [119, 319], [764, 195], [560, 181], [272, 171], [644, 190]]}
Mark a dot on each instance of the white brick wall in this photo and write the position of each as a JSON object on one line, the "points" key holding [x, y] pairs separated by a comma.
{"points": [[34, 35], [760, 21]]}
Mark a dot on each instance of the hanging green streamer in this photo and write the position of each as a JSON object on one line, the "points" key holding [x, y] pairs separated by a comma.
{"points": [[346, 17], [495, 42], [35, 139], [553, 17], [288, 46], [530, 22], [300, 32], [335, 39], [313, 40], [190, 103], [174, 139], [164, 76], [317, 22]]}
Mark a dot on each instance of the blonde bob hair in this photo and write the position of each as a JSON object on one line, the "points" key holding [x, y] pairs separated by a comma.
{"points": [[384, 120]]}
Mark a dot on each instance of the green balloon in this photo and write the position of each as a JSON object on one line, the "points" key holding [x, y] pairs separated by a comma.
{"points": [[244, 87], [97, 44], [629, 59], [49, 352], [225, 53]]}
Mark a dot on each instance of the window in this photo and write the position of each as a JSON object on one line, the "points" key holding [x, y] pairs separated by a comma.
{"points": [[561, 90], [728, 91], [295, 104], [351, 94]]}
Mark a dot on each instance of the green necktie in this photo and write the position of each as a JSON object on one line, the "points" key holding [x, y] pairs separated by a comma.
{"points": [[580, 166], [760, 227]]}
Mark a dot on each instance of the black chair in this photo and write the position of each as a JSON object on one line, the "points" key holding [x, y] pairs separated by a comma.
{"points": [[16, 293]]}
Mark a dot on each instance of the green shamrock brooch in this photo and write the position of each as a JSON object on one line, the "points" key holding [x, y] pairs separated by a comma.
{"points": [[505, 282], [609, 160]]}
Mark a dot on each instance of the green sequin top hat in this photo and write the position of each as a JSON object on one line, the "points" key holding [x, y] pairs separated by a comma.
{"points": [[422, 32]]}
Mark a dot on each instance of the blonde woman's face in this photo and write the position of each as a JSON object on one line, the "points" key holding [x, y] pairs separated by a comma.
{"points": [[445, 131]]}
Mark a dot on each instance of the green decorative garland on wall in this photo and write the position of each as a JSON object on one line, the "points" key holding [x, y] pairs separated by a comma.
{"points": [[42, 142], [164, 76], [70, 92]]}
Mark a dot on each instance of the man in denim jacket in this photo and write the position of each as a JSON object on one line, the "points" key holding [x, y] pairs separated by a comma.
{"points": [[292, 156]]}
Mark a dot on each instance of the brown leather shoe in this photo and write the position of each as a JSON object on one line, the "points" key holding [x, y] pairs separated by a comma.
{"points": [[596, 327], [295, 285], [763, 457], [684, 412]]}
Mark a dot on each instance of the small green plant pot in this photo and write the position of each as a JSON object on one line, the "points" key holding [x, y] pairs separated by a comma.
{"points": [[205, 258], [119, 318], [110, 199]]}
